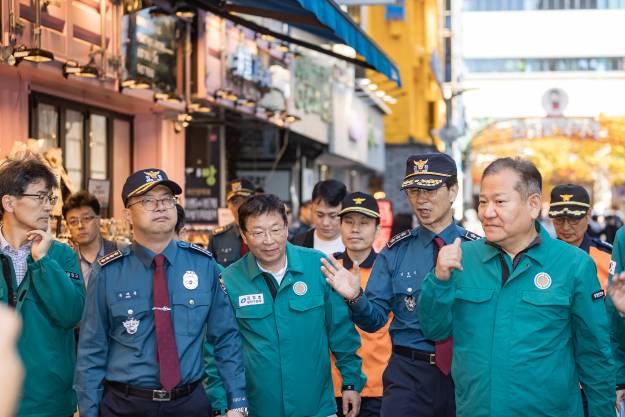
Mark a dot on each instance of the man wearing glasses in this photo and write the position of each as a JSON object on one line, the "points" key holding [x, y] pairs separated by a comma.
{"points": [[41, 281], [290, 320], [149, 309], [570, 212], [82, 214]]}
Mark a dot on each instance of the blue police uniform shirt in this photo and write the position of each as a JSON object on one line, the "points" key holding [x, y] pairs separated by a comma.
{"points": [[117, 331], [395, 285]]}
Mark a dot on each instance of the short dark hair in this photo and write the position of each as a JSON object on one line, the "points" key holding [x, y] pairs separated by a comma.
{"points": [[181, 219], [17, 174], [81, 199], [261, 204], [332, 192], [451, 181], [531, 182]]}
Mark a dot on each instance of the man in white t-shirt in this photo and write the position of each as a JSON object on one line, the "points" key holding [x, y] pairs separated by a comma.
{"points": [[325, 235]]}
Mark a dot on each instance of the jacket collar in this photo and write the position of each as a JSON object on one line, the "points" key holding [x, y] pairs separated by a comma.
{"points": [[146, 256], [586, 243], [349, 264], [426, 236], [535, 250], [294, 262]]}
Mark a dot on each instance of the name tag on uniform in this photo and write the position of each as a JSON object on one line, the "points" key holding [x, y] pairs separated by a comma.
{"points": [[251, 300]]}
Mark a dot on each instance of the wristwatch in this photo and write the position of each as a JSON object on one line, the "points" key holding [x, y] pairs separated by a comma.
{"points": [[242, 410]]}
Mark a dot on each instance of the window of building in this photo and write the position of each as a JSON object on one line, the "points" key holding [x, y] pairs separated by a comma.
{"points": [[84, 134], [519, 65], [501, 5]]}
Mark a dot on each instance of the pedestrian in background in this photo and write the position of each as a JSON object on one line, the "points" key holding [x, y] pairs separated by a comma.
{"points": [[225, 242], [570, 212], [325, 235], [82, 214]]}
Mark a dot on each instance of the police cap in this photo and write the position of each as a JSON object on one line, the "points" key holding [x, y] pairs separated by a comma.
{"points": [[569, 200], [360, 203], [241, 187], [144, 180], [428, 171]]}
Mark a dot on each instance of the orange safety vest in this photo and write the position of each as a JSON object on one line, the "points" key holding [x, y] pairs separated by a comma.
{"points": [[601, 253], [375, 350]]}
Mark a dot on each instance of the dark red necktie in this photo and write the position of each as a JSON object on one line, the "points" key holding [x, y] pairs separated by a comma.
{"points": [[244, 248], [444, 348], [167, 354]]}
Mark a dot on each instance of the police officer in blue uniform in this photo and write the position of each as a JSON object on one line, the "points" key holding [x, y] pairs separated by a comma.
{"points": [[150, 308], [225, 242], [416, 380]]}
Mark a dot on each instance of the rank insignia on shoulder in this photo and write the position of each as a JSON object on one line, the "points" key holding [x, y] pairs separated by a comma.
{"points": [[201, 249], [73, 275], [598, 295], [219, 230], [110, 257], [471, 236], [398, 237]]}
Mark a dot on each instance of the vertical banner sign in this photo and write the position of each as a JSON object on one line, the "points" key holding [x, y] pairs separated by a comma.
{"points": [[149, 49], [202, 174]]}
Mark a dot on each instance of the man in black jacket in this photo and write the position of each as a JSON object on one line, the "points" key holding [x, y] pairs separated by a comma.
{"points": [[325, 235]]}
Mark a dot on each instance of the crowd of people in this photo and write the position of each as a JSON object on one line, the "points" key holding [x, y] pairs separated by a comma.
{"points": [[304, 319]]}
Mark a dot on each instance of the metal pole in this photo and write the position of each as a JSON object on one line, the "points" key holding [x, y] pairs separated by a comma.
{"points": [[103, 66], [37, 28], [223, 162]]}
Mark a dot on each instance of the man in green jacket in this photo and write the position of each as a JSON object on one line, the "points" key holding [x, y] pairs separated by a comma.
{"points": [[616, 310], [526, 311], [290, 320], [41, 280]]}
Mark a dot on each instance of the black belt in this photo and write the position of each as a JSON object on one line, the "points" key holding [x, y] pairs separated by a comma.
{"points": [[414, 354], [153, 394]]}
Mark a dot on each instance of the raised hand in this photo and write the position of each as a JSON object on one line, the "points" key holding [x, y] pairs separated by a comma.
{"points": [[42, 240], [346, 283], [617, 292], [449, 258]]}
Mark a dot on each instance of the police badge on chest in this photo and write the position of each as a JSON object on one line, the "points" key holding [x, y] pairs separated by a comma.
{"points": [[131, 324], [411, 303]]}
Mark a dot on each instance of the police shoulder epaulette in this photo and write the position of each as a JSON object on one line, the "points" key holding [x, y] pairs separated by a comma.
{"points": [[107, 259], [398, 237], [219, 230], [471, 236], [200, 249]]}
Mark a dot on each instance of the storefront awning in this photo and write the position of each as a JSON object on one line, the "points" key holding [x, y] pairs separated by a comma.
{"points": [[323, 18]]}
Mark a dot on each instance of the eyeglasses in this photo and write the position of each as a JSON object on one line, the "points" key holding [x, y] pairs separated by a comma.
{"points": [[42, 198], [428, 194], [274, 232], [150, 204], [559, 221], [74, 221]]}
